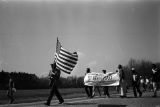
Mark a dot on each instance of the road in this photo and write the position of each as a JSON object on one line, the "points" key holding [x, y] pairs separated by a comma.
{"points": [[114, 101]]}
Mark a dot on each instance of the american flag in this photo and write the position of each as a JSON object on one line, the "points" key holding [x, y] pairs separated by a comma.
{"points": [[64, 59]]}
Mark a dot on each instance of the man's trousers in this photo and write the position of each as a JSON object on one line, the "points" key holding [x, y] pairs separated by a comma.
{"points": [[136, 88], [55, 91]]}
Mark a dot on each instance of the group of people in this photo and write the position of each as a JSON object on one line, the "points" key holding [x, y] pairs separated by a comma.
{"points": [[90, 90], [146, 84], [136, 83]]}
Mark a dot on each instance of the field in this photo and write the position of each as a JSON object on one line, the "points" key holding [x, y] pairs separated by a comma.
{"points": [[27, 96]]}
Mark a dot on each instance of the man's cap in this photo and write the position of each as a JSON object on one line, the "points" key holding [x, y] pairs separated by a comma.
{"points": [[104, 71], [119, 66], [53, 63], [153, 65]]}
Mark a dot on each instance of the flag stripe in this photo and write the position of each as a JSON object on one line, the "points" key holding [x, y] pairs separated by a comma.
{"points": [[64, 61], [64, 66], [72, 54], [68, 56], [65, 57], [64, 70], [67, 60], [67, 64], [61, 63]]}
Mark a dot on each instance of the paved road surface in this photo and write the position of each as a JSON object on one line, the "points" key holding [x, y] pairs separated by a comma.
{"points": [[145, 101]]}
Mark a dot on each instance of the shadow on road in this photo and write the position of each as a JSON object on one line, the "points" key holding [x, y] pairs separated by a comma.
{"points": [[111, 105], [82, 103]]}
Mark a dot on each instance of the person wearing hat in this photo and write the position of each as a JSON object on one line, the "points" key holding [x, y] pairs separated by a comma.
{"points": [[122, 81], [105, 88], [54, 77], [136, 83]]}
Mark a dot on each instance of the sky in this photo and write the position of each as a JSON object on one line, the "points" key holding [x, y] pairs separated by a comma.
{"points": [[104, 33]]}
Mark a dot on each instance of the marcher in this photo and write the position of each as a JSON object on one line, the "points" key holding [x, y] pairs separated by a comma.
{"points": [[122, 81], [88, 89], [155, 79], [105, 88], [54, 77], [136, 83], [11, 89]]}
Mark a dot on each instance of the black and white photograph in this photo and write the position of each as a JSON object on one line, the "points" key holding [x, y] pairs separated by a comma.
{"points": [[79, 53]]}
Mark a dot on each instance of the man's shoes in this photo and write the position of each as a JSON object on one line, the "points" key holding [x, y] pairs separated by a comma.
{"points": [[11, 101], [107, 96], [154, 96], [91, 96], [61, 102], [47, 104], [123, 96]]}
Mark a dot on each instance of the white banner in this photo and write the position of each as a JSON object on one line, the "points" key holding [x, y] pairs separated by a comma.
{"points": [[100, 79]]}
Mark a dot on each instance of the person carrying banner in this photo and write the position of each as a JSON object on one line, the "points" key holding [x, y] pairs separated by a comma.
{"points": [[122, 81], [88, 89], [54, 77], [155, 79], [136, 83], [105, 88]]}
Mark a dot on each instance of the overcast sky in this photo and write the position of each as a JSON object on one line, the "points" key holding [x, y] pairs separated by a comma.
{"points": [[104, 33]]}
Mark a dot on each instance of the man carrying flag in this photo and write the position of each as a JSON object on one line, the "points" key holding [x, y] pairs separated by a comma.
{"points": [[64, 61], [54, 77]]}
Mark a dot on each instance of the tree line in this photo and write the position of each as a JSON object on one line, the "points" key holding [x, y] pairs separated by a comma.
{"points": [[24, 80], [142, 67], [31, 81]]}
